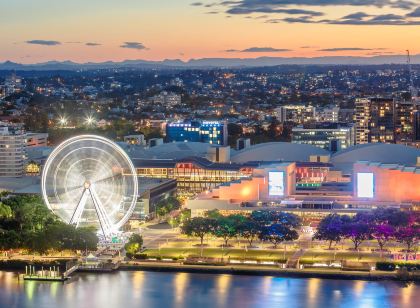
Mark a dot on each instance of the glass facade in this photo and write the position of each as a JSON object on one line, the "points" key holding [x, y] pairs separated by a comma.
{"points": [[213, 132], [193, 178], [329, 136]]}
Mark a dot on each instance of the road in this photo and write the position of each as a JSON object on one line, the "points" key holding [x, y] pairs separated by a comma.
{"points": [[156, 235]]}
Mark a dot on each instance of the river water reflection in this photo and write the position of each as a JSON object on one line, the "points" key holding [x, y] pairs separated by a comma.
{"points": [[153, 289]]}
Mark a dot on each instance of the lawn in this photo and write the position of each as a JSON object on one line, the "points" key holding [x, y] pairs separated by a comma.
{"points": [[220, 253]]}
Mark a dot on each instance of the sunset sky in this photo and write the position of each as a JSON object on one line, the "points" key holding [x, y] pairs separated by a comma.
{"points": [[101, 30]]}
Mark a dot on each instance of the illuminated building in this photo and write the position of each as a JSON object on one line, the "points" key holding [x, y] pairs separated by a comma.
{"points": [[193, 174], [328, 114], [377, 120], [362, 120], [295, 113], [12, 151], [36, 139], [32, 168], [213, 132], [387, 182], [135, 139], [334, 188], [404, 121], [332, 136], [382, 120]]}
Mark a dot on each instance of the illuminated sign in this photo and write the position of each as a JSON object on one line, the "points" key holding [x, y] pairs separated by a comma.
{"points": [[276, 183], [365, 185]]}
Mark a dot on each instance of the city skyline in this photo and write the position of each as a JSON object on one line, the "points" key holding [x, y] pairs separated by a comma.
{"points": [[107, 30]]}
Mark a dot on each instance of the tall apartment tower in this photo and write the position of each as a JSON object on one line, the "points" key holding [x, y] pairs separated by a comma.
{"points": [[406, 122], [362, 117], [376, 120], [12, 151], [382, 120]]}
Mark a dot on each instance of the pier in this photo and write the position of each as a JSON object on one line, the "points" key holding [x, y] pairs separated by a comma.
{"points": [[51, 274]]}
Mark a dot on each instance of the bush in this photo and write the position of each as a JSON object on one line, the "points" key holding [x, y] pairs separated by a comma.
{"points": [[409, 266], [140, 256], [391, 266], [385, 266]]}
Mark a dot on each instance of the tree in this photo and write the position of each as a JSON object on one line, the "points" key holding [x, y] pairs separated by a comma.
{"points": [[9, 239], [266, 218], [408, 235], [287, 219], [198, 227], [263, 218], [134, 244], [179, 218], [357, 231], [277, 233], [86, 238], [390, 216], [250, 230], [228, 227], [330, 229], [5, 211], [383, 233], [214, 214], [164, 207]]}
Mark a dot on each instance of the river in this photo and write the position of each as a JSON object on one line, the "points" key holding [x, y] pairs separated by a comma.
{"points": [[157, 289]]}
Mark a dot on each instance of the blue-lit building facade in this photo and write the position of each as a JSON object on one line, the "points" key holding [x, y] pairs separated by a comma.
{"points": [[213, 132]]}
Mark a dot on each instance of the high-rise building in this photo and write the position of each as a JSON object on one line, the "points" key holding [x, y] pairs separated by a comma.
{"points": [[295, 113], [329, 136], [327, 114], [382, 120], [12, 151], [362, 117], [405, 129], [213, 132], [375, 120]]}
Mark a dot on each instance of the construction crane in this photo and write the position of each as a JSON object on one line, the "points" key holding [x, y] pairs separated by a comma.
{"points": [[413, 90]]}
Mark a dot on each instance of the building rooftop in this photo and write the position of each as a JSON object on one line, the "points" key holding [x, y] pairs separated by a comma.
{"points": [[383, 153], [277, 151], [172, 150]]}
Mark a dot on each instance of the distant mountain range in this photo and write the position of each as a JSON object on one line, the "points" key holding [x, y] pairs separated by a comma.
{"points": [[213, 62]]}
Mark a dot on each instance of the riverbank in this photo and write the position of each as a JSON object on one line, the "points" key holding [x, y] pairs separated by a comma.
{"points": [[268, 271], [240, 269]]}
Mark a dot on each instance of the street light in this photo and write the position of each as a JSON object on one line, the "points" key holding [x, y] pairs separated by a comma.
{"points": [[89, 120], [62, 121]]}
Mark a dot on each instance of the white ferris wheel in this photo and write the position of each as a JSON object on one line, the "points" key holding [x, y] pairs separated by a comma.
{"points": [[90, 181]]}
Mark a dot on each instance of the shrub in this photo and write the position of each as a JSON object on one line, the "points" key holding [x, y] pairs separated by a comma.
{"points": [[385, 266], [409, 266], [140, 256]]}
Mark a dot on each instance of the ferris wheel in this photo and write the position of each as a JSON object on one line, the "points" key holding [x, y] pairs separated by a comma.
{"points": [[90, 181]]}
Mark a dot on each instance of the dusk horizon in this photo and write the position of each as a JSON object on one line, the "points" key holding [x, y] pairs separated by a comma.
{"points": [[100, 31]]}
